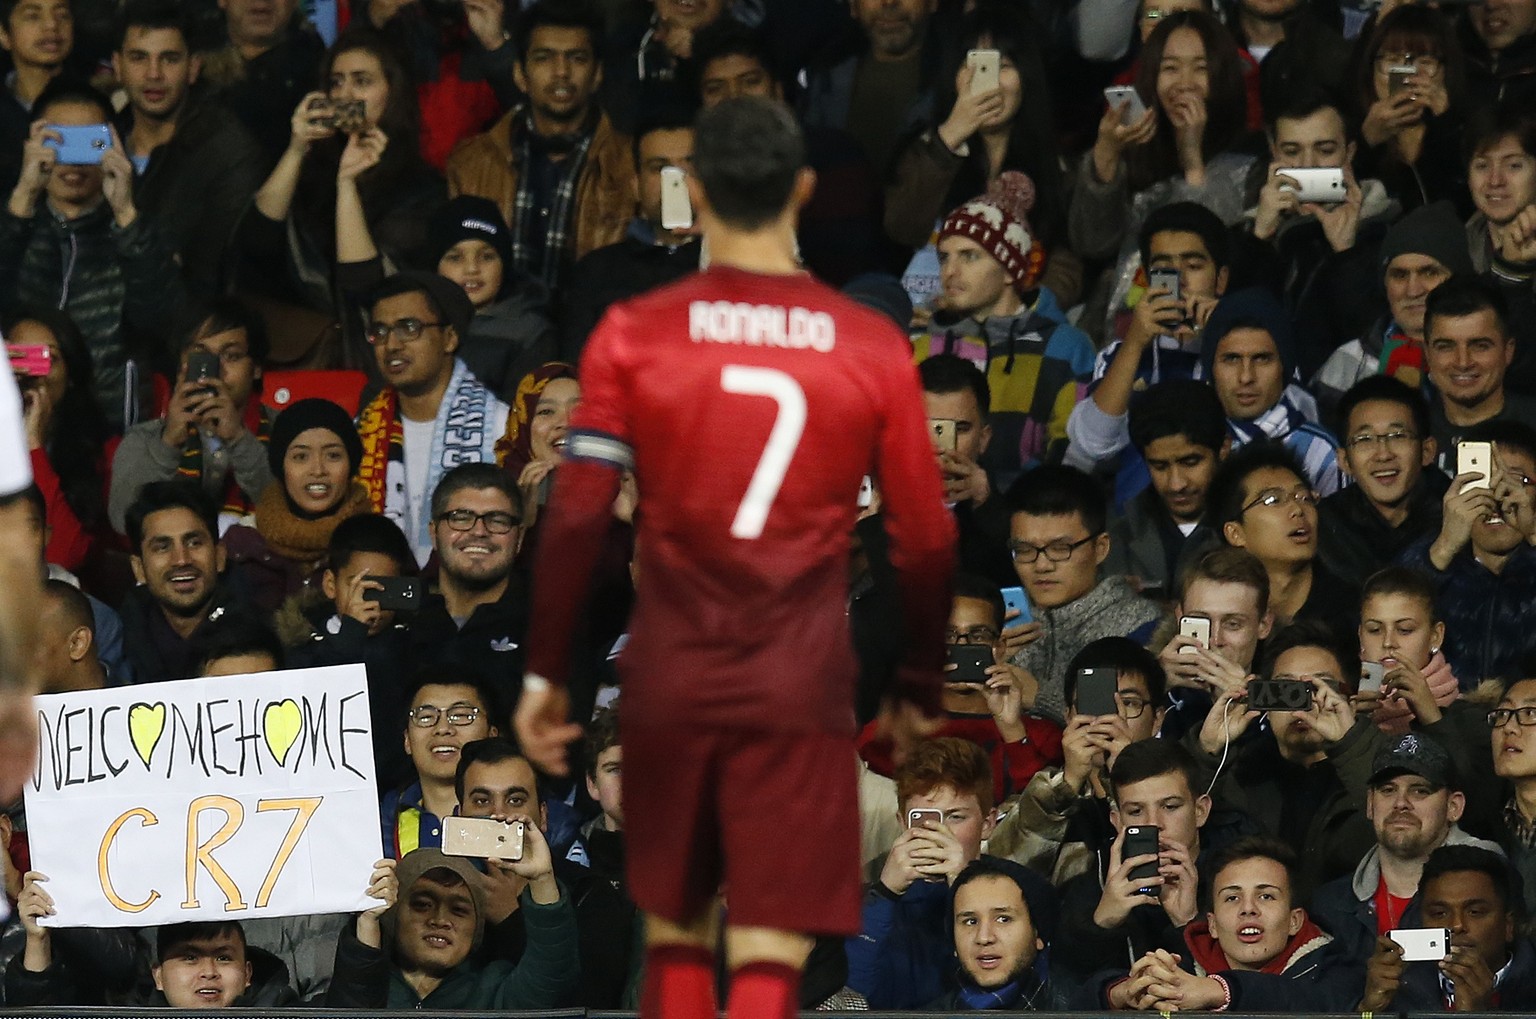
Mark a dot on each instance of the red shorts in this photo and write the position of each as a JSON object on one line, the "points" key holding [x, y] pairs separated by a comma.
{"points": [[770, 818]]}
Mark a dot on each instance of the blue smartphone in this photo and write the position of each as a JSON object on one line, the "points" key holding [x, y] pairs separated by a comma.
{"points": [[1015, 599], [80, 146]]}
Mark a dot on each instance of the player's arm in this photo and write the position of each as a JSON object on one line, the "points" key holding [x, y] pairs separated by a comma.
{"points": [[922, 540]]}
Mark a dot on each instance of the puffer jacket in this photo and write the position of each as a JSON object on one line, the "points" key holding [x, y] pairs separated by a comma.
{"points": [[1111, 609], [1487, 615], [120, 286]]}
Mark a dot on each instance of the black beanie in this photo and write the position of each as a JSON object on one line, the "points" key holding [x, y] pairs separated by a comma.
{"points": [[1432, 230], [1251, 308], [468, 217], [298, 418]]}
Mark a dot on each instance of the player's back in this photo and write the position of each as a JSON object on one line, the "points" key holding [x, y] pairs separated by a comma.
{"points": [[755, 406]]}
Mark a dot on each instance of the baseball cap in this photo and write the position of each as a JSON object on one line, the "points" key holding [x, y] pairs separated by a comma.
{"points": [[1414, 754]]}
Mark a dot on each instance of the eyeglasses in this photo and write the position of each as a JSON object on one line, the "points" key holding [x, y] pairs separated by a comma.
{"points": [[1130, 707], [408, 329], [974, 635], [496, 521], [427, 715], [1276, 496], [1423, 63], [1364, 441], [1056, 551], [1499, 717]]}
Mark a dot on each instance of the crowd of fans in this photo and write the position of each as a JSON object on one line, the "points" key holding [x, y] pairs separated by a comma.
{"points": [[1224, 319]]}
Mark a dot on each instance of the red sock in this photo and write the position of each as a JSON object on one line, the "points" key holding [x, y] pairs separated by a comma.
{"points": [[764, 990], [679, 983]]}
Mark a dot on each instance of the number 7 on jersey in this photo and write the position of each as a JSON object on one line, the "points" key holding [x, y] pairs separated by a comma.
{"points": [[783, 438]]}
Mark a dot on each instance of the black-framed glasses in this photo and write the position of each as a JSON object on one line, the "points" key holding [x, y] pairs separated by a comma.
{"points": [[1056, 551], [1130, 707], [971, 635], [408, 329], [1365, 440], [1499, 717], [1276, 496], [428, 715], [496, 521]]}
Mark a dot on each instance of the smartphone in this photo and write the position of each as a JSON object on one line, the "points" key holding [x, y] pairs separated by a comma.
{"points": [[866, 492], [917, 815], [1015, 600], [482, 838], [1141, 840], [1197, 628], [80, 146], [1423, 944], [1096, 692], [1115, 95], [31, 360], [945, 435], [348, 116], [1475, 458], [1166, 279], [971, 663], [985, 66], [546, 485], [1371, 674], [676, 210], [1279, 695], [1397, 78], [1321, 184], [397, 594], [203, 365]]}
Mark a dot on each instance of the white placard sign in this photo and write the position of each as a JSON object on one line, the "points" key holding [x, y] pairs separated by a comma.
{"points": [[228, 798]]}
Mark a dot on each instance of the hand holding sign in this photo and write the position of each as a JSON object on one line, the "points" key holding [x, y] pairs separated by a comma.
{"points": [[384, 886]]}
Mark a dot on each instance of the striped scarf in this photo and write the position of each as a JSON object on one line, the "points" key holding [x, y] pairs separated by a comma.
{"points": [[464, 432], [190, 463], [556, 227]]}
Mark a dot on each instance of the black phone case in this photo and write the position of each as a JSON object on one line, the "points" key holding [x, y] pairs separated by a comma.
{"points": [[973, 661]]}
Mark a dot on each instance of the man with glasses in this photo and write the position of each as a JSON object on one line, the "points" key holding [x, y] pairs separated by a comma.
{"points": [[1058, 539], [432, 412], [215, 428], [1385, 447], [1514, 760], [989, 712], [1061, 823], [449, 708], [478, 617], [1262, 501], [1482, 562]]}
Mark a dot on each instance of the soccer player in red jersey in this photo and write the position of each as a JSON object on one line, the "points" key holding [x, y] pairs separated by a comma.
{"points": [[750, 401]]}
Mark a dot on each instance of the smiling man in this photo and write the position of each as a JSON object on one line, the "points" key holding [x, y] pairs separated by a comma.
{"points": [[177, 560], [1482, 561], [424, 954], [449, 708], [1468, 349], [415, 323], [1385, 448]]}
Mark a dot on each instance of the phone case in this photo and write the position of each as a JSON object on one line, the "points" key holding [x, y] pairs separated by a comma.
{"points": [[81, 145], [1096, 691], [1141, 840], [1015, 600], [972, 661], [917, 815]]}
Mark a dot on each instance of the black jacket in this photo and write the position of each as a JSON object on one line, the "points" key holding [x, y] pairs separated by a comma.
{"points": [[615, 273], [1353, 539], [1420, 989], [155, 651], [490, 641]]}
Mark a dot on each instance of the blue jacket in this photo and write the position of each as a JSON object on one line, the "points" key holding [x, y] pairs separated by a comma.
{"points": [[902, 957]]}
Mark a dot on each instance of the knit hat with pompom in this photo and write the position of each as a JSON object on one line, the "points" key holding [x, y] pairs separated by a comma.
{"points": [[998, 221]]}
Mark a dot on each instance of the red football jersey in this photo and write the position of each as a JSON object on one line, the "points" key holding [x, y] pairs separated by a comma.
{"points": [[753, 405]]}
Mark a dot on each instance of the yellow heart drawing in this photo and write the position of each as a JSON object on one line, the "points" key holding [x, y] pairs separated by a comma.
{"points": [[145, 724], [280, 722]]}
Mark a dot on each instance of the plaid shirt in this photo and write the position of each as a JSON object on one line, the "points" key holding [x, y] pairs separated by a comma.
{"points": [[1521, 830], [539, 241]]}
